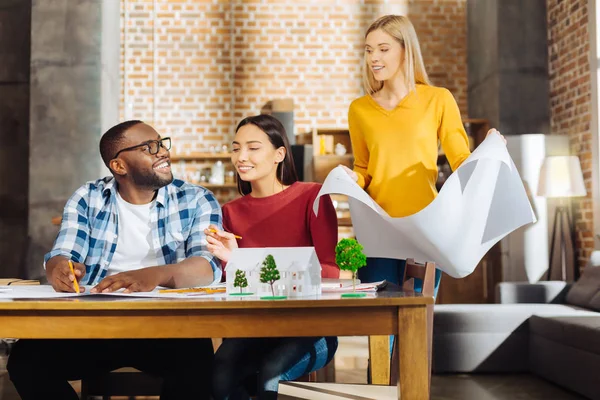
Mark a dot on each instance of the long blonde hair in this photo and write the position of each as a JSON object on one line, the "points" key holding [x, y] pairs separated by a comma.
{"points": [[400, 28]]}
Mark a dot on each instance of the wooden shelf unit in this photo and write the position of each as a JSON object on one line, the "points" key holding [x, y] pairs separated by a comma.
{"points": [[324, 163], [191, 163], [216, 186], [200, 156]]}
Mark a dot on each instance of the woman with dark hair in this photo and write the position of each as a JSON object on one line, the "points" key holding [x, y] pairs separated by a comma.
{"points": [[275, 210]]}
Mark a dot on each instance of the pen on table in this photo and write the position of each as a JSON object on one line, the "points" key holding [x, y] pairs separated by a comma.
{"points": [[75, 284], [215, 231]]}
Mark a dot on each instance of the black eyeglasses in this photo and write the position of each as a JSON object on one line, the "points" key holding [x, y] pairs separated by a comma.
{"points": [[152, 145]]}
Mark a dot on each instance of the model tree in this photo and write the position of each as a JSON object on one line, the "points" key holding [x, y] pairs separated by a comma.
{"points": [[269, 273], [349, 256], [240, 280]]}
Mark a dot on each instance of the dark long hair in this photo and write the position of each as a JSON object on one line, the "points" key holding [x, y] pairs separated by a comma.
{"points": [[286, 171]]}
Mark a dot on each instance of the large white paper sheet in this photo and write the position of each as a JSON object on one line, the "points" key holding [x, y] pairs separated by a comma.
{"points": [[47, 292], [480, 203]]}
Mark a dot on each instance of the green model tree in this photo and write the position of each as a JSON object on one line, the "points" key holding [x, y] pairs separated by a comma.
{"points": [[349, 256], [269, 273], [240, 280]]}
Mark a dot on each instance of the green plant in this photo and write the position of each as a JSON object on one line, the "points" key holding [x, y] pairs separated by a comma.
{"points": [[349, 256], [240, 280], [269, 273]]}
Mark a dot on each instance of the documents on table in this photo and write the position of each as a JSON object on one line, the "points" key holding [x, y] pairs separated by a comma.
{"points": [[214, 291], [480, 203], [47, 292], [33, 292], [345, 286]]}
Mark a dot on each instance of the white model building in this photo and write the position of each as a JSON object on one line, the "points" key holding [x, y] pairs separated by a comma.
{"points": [[299, 271]]}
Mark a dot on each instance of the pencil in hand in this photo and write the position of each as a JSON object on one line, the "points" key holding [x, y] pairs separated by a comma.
{"points": [[215, 231], [75, 284]]}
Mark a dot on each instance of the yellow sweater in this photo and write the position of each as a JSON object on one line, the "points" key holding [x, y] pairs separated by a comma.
{"points": [[396, 151]]}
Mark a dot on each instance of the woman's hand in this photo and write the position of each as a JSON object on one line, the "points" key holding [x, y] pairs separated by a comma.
{"points": [[493, 130], [220, 243], [350, 173]]}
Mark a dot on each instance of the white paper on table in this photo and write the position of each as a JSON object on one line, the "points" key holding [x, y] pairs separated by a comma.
{"points": [[47, 292], [480, 203], [33, 292]]}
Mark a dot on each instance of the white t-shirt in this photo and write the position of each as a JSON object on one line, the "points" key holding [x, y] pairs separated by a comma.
{"points": [[134, 242]]}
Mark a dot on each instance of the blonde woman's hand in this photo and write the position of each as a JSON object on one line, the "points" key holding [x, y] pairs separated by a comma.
{"points": [[220, 243], [493, 130], [350, 173]]}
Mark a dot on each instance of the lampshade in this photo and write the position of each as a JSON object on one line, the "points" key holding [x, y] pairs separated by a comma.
{"points": [[560, 176]]}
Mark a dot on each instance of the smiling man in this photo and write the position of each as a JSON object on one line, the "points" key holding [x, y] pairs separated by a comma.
{"points": [[134, 231]]}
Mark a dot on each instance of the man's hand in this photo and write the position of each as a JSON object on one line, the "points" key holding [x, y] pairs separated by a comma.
{"points": [[60, 277], [141, 280], [220, 243]]}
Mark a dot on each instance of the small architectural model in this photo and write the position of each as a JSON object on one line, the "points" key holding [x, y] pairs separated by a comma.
{"points": [[299, 271], [240, 280], [349, 256], [269, 273]]}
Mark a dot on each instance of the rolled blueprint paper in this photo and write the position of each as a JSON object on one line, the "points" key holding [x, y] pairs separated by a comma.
{"points": [[480, 203]]}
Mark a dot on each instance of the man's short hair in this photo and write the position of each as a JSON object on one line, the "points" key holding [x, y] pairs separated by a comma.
{"points": [[113, 138]]}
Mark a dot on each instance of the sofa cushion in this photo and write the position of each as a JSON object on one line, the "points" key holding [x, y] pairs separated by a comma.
{"points": [[595, 302], [486, 337], [580, 330], [498, 318], [536, 293], [582, 291]]}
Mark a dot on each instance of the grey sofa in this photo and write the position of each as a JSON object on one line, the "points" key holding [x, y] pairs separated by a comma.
{"points": [[550, 329]]}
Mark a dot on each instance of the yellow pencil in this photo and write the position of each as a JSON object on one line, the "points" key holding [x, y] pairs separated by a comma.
{"points": [[195, 290], [215, 231], [75, 284]]}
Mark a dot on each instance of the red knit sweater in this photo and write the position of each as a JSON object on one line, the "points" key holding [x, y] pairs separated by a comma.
{"points": [[286, 219]]}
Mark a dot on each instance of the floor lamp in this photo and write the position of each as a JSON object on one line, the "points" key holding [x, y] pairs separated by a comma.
{"points": [[561, 177]]}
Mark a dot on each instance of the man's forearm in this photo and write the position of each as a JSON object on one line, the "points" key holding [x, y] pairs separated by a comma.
{"points": [[193, 271]]}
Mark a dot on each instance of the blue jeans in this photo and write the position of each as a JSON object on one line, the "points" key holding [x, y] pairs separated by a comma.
{"points": [[390, 269], [241, 364]]}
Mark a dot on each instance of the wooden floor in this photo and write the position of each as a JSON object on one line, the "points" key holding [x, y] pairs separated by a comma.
{"points": [[351, 367]]}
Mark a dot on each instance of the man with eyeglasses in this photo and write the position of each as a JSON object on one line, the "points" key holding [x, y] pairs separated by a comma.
{"points": [[134, 231]]}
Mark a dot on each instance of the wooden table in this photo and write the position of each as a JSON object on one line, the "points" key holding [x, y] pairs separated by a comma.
{"points": [[90, 317]]}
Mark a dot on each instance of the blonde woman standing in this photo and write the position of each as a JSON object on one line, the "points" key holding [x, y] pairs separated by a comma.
{"points": [[395, 130]]}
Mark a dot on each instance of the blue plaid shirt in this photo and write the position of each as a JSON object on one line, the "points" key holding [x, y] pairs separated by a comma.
{"points": [[90, 223]]}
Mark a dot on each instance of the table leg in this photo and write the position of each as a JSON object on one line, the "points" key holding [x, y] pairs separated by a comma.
{"points": [[413, 377], [379, 357], [429, 340]]}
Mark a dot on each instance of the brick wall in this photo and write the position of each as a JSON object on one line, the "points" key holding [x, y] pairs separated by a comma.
{"points": [[570, 101], [442, 29], [194, 68], [176, 69]]}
